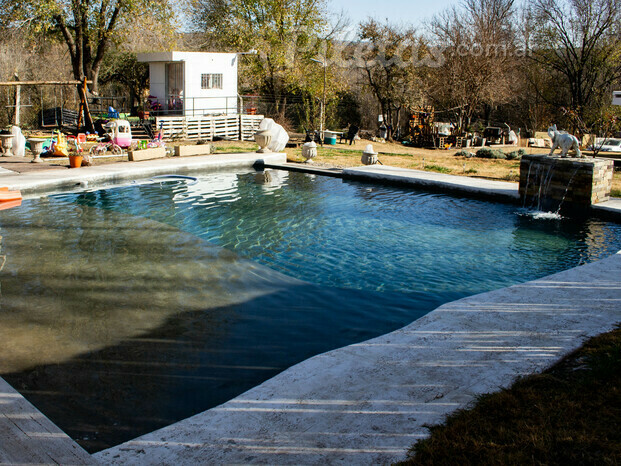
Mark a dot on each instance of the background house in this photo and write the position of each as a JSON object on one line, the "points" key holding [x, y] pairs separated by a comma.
{"points": [[192, 83]]}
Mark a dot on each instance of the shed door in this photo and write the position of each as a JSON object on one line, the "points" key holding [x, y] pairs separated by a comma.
{"points": [[174, 87]]}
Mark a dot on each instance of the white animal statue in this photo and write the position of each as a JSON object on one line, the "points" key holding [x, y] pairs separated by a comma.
{"points": [[563, 141]]}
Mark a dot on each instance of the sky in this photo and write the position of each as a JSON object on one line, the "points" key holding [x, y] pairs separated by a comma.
{"points": [[398, 12], [410, 12]]}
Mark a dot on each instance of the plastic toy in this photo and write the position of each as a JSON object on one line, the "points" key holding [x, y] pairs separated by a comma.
{"points": [[157, 140], [59, 145], [103, 147], [120, 132], [112, 113]]}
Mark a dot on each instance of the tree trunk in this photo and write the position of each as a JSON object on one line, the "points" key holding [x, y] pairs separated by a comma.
{"points": [[95, 78], [88, 119], [488, 114]]}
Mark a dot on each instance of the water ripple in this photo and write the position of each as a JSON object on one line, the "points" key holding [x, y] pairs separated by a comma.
{"points": [[351, 235]]}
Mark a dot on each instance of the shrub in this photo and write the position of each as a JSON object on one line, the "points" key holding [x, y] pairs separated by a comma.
{"points": [[516, 154], [438, 168], [511, 176], [464, 153], [486, 153]]}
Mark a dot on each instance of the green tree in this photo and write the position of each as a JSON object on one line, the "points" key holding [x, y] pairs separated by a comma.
{"points": [[87, 27], [286, 33], [123, 69]]}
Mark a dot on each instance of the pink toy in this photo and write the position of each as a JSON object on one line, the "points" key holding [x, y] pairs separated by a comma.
{"points": [[120, 132]]}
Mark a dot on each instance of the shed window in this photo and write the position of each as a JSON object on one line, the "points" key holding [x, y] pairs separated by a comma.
{"points": [[211, 81]]}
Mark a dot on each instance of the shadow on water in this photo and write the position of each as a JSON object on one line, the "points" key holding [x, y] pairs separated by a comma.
{"points": [[114, 332], [196, 360]]}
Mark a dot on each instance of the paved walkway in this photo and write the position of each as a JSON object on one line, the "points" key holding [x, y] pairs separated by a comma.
{"points": [[362, 404], [28, 437], [368, 403], [41, 178], [500, 190]]}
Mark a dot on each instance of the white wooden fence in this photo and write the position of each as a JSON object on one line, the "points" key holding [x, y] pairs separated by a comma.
{"points": [[236, 127]]}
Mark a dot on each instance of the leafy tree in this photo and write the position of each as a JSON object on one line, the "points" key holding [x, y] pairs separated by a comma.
{"points": [[347, 110], [87, 27], [578, 44], [123, 68], [286, 34]]}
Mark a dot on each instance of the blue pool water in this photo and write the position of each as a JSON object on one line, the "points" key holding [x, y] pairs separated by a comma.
{"points": [[150, 302], [351, 235]]}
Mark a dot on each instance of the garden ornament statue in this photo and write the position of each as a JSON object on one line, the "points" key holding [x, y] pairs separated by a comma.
{"points": [[309, 151], [263, 137], [369, 156], [564, 141]]}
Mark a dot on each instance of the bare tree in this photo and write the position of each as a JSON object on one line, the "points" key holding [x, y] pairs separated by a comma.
{"points": [[387, 63], [478, 40], [32, 61], [577, 42]]}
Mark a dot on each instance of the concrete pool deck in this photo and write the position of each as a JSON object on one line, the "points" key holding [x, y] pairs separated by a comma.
{"points": [[368, 403], [365, 403], [499, 190], [47, 179]]}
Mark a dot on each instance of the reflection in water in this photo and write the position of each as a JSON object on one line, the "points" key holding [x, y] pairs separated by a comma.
{"points": [[127, 309], [116, 332], [352, 235], [90, 286]]}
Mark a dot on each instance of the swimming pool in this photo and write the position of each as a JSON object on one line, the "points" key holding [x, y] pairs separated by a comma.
{"points": [[128, 308]]}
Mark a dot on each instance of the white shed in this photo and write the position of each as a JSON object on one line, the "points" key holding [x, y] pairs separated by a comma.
{"points": [[193, 83]]}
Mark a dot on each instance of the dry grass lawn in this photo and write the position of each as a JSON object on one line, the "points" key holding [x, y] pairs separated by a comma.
{"points": [[398, 155], [569, 414]]}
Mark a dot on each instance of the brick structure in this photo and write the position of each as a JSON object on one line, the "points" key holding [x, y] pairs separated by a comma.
{"points": [[552, 183]]}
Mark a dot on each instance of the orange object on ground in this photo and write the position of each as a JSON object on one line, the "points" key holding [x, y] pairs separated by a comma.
{"points": [[10, 204], [75, 161], [10, 196]]}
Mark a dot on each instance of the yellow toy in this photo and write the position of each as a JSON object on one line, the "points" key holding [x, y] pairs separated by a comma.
{"points": [[59, 146]]}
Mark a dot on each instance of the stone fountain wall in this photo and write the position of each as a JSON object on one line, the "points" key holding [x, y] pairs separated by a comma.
{"points": [[553, 183]]}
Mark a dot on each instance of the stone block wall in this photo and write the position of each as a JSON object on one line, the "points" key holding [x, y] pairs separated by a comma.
{"points": [[199, 149], [146, 154], [553, 183]]}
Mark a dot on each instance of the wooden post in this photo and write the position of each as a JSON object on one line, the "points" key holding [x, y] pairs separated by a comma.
{"points": [[18, 101], [88, 119]]}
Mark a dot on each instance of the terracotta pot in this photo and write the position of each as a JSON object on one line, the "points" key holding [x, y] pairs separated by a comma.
{"points": [[75, 161]]}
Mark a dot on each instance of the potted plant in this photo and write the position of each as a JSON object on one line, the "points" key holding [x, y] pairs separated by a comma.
{"points": [[75, 160], [77, 156], [143, 112]]}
